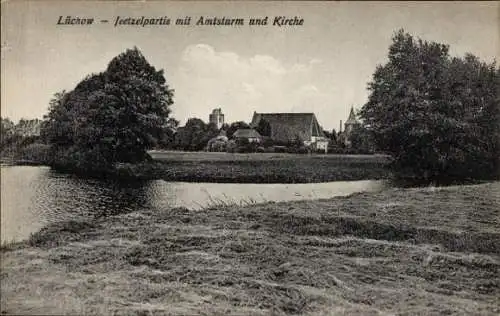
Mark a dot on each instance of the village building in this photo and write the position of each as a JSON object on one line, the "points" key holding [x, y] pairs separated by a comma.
{"points": [[247, 133], [289, 127], [216, 117]]}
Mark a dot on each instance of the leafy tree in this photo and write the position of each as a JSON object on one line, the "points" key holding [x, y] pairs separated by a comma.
{"points": [[429, 111], [234, 127], [56, 128], [361, 139], [264, 128], [113, 116], [190, 136], [195, 135], [21, 141], [211, 131], [172, 123], [6, 128], [167, 133], [332, 136]]}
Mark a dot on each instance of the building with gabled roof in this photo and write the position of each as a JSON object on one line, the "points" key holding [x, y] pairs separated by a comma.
{"points": [[247, 133], [288, 127]]}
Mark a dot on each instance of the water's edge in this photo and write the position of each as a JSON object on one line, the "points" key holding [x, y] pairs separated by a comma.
{"points": [[46, 197]]}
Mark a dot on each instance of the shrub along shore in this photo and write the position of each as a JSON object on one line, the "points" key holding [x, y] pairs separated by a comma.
{"points": [[416, 251]]}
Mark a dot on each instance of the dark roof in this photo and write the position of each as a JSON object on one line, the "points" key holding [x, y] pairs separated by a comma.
{"points": [[288, 126], [246, 133]]}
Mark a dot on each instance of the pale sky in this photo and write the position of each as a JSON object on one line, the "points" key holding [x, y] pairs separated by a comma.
{"points": [[322, 66]]}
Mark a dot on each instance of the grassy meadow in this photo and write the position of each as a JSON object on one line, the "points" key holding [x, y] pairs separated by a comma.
{"points": [[425, 251], [258, 167]]}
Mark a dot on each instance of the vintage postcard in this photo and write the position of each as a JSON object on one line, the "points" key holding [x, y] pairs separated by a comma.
{"points": [[250, 158]]}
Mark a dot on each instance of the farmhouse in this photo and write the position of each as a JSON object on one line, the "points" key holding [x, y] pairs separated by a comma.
{"points": [[247, 133], [287, 127]]}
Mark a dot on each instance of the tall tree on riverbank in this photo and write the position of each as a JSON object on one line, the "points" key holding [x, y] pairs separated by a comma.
{"points": [[113, 116], [437, 116]]}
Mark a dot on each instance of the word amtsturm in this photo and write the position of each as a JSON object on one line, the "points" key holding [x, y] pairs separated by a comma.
{"points": [[220, 21]]}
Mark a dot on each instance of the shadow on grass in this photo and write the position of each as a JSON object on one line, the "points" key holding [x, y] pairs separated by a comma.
{"points": [[483, 242]]}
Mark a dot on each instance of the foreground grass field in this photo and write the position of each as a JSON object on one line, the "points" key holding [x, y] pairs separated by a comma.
{"points": [[424, 251], [261, 167]]}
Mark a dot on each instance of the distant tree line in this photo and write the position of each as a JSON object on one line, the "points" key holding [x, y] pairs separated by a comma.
{"points": [[438, 116], [21, 142]]}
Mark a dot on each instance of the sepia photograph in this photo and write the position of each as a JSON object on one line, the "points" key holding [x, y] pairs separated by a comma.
{"points": [[250, 158]]}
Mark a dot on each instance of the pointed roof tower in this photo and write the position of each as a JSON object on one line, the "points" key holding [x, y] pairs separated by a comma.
{"points": [[352, 117]]}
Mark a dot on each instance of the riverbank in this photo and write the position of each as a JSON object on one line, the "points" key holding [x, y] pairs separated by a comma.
{"points": [[6, 162], [400, 251]]}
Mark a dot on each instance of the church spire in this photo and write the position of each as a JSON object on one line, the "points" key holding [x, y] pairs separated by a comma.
{"points": [[352, 117]]}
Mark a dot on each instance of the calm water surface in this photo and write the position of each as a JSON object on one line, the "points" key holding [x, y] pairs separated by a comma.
{"points": [[32, 197]]}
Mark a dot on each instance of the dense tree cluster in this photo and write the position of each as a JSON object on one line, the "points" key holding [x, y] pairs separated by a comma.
{"points": [[113, 116], [195, 135], [361, 139], [264, 128], [437, 115]]}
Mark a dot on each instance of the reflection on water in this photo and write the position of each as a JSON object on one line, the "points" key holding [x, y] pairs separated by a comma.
{"points": [[32, 197]]}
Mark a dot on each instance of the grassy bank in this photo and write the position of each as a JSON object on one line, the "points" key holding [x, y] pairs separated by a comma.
{"points": [[401, 251], [257, 168]]}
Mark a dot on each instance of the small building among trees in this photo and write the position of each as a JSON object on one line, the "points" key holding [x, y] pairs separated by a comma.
{"points": [[247, 134]]}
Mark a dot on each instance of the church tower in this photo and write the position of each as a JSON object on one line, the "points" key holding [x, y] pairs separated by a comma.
{"points": [[350, 123]]}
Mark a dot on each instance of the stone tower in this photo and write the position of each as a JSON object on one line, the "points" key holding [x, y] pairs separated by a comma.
{"points": [[216, 117]]}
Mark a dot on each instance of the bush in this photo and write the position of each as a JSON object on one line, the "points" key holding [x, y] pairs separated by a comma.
{"points": [[267, 142], [231, 146]]}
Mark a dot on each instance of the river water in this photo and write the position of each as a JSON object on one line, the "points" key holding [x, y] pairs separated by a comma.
{"points": [[32, 197]]}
